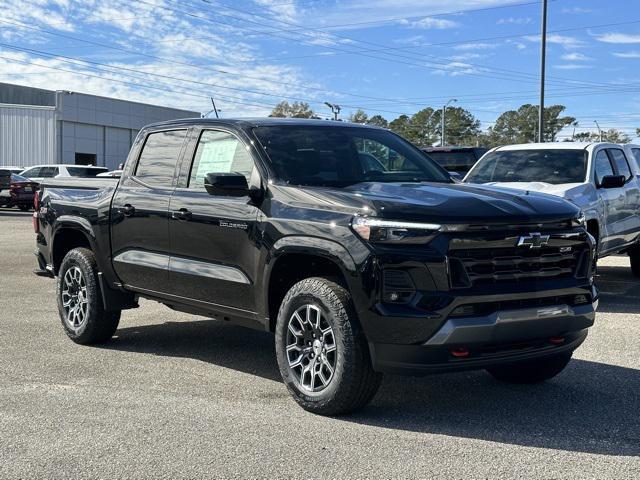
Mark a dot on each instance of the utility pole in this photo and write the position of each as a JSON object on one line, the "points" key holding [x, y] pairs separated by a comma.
{"points": [[335, 109], [214, 107], [442, 128], [599, 130], [543, 58]]}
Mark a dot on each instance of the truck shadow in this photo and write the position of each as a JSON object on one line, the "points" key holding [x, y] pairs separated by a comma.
{"points": [[591, 407], [619, 290]]}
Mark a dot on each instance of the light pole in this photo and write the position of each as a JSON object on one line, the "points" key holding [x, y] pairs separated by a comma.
{"points": [[543, 57], [444, 111], [335, 109], [599, 130]]}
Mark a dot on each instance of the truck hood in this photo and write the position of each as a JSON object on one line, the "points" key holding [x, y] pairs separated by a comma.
{"points": [[435, 202], [579, 193]]}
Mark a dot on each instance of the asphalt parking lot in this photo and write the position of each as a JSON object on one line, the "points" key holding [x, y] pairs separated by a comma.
{"points": [[175, 396]]}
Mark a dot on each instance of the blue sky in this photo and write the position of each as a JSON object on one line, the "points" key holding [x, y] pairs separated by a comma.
{"points": [[385, 56]]}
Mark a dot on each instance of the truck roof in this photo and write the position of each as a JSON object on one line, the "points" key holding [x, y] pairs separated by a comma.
{"points": [[260, 121], [552, 146]]}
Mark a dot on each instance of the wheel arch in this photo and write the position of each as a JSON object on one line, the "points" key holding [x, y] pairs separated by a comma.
{"points": [[295, 258]]}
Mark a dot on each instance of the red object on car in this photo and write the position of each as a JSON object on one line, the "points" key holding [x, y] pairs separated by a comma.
{"points": [[22, 192]]}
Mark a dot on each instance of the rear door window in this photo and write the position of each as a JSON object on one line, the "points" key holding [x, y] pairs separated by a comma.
{"points": [[84, 171], [620, 162], [160, 154], [48, 172], [603, 166]]}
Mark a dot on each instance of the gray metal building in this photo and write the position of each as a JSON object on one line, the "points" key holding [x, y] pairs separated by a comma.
{"points": [[42, 126]]}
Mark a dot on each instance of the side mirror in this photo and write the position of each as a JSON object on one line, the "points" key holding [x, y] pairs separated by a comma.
{"points": [[612, 181], [226, 184]]}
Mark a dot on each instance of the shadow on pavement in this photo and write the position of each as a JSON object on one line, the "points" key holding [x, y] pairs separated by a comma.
{"points": [[591, 407], [619, 290], [14, 212]]}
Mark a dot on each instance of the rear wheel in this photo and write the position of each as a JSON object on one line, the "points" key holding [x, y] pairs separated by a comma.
{"points": [[531, 371], [322, 352], [82, 313]]}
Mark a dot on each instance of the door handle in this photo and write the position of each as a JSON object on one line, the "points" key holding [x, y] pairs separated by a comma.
{"points": [[182, 214], [128, 210]]}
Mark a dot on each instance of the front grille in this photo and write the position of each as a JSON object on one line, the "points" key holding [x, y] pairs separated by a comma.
{"points": [[496, 261]]}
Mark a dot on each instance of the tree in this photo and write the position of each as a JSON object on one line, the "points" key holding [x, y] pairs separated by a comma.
{"points": [[401, 125], [612, 136], [294, 110], [359, 116], [378, 121], [461, 127], [423, 129], [520, 126]]}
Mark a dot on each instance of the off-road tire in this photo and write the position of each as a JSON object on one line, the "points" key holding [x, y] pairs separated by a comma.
{"points": [[531, 371], [354, 382], [99, 325]]}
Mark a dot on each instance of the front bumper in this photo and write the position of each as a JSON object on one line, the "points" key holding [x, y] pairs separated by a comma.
{"points": [[501, 337]]}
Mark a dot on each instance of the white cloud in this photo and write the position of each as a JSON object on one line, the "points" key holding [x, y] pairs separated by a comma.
{"points": [[563, 40], [575, 57], [633, 54], [572, 66], [576, 10], [515, 21], [622, 38], [434, 23], [475, 46], [455, 69]]}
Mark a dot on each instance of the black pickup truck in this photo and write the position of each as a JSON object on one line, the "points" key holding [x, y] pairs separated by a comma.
{"points": [[356, 250]]}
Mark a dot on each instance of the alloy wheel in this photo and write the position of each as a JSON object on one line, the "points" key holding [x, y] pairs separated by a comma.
{"points": [[311, 348], [74, 298]]}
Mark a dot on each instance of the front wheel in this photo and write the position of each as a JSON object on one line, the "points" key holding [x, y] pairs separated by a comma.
{"points": [[82, 313], [322, 352], [531, 371]]}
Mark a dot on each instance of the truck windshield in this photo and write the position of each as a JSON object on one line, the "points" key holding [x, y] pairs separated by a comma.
{"points": [[548, 166], [336, 156]]}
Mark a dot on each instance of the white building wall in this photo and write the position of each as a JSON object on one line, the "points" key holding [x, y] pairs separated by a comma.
{"points": [[27, 135]]}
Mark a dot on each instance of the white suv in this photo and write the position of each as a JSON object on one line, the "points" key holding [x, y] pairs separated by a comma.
{"points": [[601, 178], [41, 172]]}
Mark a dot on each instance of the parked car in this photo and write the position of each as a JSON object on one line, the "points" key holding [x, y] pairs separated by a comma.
{"points": [[20, 193], [39, 172], [5, 180], [456, 159], [111, 173], [277, 224], [13, 169], [598, 177]]}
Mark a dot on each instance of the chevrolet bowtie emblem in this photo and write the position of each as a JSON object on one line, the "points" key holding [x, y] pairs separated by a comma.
{"points": [[533, 240]]}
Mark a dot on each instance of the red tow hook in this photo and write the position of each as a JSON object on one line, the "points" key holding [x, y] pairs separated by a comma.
{"points": [[556, 340], [460, 352]]}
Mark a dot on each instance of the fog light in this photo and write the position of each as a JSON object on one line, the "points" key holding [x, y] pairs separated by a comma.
{"points": [[463, 311], [580, 299]]}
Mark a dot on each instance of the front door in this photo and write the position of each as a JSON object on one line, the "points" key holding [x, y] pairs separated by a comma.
{"points": [[214, 238], [140, 214]]}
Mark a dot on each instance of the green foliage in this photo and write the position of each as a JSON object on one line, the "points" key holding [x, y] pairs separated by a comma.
{"points": [[359, 116], [520, 126], [378, 121], [294, 110], [612, 136]]}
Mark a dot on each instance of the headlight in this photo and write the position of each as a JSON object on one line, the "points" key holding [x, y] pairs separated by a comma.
{"points": [[579, 221], [390, 231]]}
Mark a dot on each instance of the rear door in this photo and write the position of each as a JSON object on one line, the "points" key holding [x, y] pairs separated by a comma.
{"points": [[140, 213], [214, 239], [630, 221]]}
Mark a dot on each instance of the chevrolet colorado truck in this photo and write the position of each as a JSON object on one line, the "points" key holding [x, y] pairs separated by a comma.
{"points": [[358, 267], [603, 179]]}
